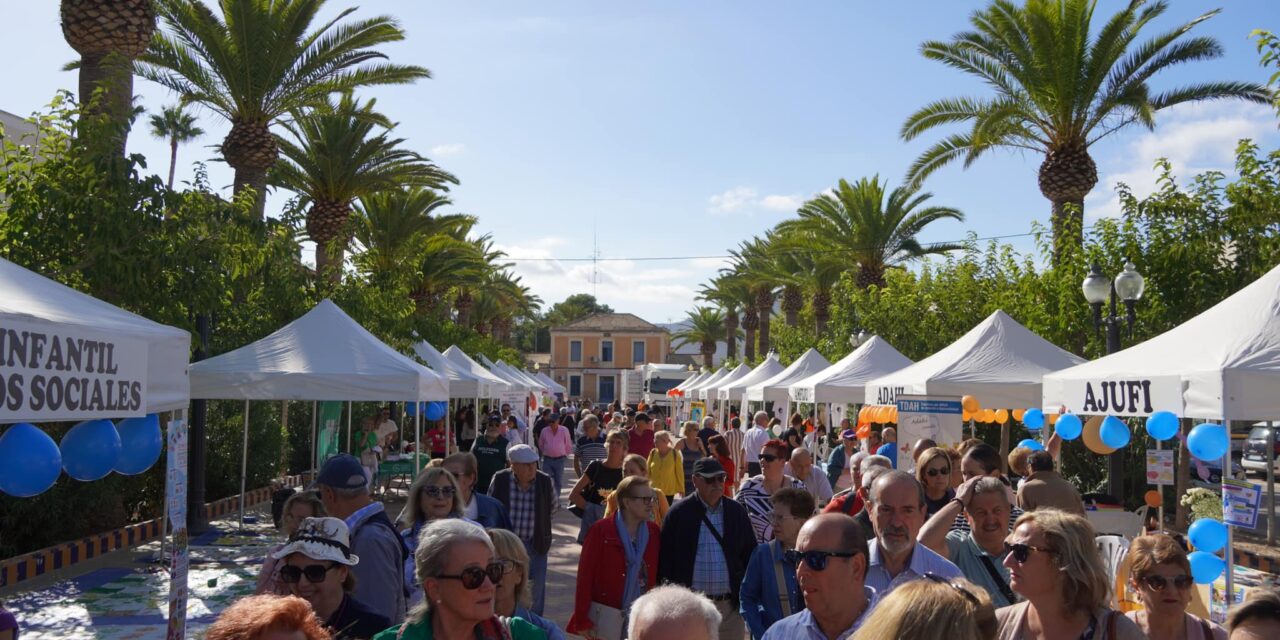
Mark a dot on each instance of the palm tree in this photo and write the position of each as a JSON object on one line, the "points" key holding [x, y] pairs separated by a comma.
{"points": [[177, 126], [260, 61], [705, 328], [752, 261], [339, 153], [861, 224], [731, 295], [109, 36], [1059, 88], [814, 270], [463, 301], [392, 229]]}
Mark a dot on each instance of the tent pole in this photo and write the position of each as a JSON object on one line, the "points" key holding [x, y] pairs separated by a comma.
{"points": [[1231, 535], [349, 426], [1160, 509], [315, 420], [244, 462], [417, 442], [448, 426], [1271, 484]]}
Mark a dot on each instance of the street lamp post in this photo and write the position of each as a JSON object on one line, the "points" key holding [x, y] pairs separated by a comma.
{"points": [[858, 338], [1098, 290]]}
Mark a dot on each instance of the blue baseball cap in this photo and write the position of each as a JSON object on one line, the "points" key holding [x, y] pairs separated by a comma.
{"points": [[342, 471]]}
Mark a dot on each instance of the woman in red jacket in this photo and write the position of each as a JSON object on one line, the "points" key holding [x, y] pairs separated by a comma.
{"points": [[619, 563]]}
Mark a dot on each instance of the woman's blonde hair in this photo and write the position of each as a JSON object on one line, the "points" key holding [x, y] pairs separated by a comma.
{"points": [[1085, 583], [688, 426], [927, 458], [508, 545], [618, 435], [638, 460], [309, 498], [413, 508], [624, 487], [953, 608], [662, 436], [1150, 551], [1018, 461]]}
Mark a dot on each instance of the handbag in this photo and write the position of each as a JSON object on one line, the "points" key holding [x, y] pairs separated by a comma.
{"points": [[608, 622]]}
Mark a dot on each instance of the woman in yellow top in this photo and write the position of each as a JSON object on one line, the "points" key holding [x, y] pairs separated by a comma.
{"points": [[666, 466], [634, 465]]}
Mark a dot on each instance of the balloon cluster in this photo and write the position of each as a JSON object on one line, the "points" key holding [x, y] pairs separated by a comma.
{"points": [[1208, 536], [30, 461], [878, 414], [431, 411]]}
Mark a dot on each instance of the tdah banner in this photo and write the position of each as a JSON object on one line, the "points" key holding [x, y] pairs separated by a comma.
{"points": [[936, 418], [54, 373]]}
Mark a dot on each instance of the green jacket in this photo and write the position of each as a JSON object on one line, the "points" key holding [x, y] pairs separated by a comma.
{"points": [[519, 629]]}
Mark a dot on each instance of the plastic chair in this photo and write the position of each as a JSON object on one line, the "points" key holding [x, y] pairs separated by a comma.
{"points": [[1113, 549]]}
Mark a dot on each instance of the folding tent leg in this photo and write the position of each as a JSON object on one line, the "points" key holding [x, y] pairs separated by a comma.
{"points": [[315, 420], [349, 426], [244, 462], [417, 443]]}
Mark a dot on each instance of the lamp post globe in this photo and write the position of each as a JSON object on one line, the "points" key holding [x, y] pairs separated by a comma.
{"points": [[1130, 284], [1096, 286]]}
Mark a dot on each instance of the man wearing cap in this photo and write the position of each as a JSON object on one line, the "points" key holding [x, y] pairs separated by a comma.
{"points": [[641, 441], [317, 565], [344, 490], [707, 541], [753, 441], [839, 469], [490, 451], [530, 500]]}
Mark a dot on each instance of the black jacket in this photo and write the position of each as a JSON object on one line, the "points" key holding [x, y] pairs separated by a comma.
{"points": [[543, 504], [680, 530]]}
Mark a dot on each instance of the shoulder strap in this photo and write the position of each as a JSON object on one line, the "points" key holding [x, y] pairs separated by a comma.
{"points": [[784, 597], [847, 505], [998, 579]]}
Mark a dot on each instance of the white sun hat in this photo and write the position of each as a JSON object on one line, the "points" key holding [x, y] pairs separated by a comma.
{"points": [[321, 539]]}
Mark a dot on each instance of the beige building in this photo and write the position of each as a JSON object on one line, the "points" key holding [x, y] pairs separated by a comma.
{"points": [[590, 355]]}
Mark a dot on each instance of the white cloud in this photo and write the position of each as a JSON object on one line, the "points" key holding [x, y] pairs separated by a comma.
{"points": [[748, 200], [444, 150], [1194, 138], [781, 203]]}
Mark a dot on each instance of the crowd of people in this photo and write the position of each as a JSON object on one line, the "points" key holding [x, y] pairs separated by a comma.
{"points": [[685, 536]]}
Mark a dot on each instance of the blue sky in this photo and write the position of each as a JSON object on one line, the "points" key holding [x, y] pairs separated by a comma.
{"points": [[669, 128]]}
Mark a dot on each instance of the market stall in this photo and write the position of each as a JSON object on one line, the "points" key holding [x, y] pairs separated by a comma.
{"points": [[775, 389], [844, 382]]}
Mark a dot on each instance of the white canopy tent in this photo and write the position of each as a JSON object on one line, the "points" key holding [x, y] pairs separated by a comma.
{"points": [[465, 363], [775, 389], [157, 354], [1223, 364], [737, 389], [843, 382], [708, 390], [999, 362], [555, 387], [535, 384], [693, 380], [692, 390], [322, 356], [516, 381], [462, 384]]}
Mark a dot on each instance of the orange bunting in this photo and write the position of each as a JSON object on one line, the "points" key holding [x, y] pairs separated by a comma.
{"points": [[1018, 413], [966, 416], [970, 404], [1002, 415]]}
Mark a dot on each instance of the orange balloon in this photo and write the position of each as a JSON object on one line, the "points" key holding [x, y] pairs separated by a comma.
{"points": [[970, 404], [1002, 415], [1092, 437], [1153, 499], [1052, 418], [893, 414], [1018, 413], [882, 415], [988, 415], [966, 416]]}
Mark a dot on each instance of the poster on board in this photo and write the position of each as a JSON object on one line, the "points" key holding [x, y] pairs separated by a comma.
{"points": [[175, 493], [328, 443], [937, 418], [1160, 467], [697, 409]]}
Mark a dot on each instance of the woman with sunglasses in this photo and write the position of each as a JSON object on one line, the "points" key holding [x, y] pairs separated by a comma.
{"points": [[619, 561], [514, 596], [761, 602], [1055, 566], [299, 506], [756, 491], [1161, 576], [460, 572], [316, 566], [634, 465], [433, 496], [933, 470]]}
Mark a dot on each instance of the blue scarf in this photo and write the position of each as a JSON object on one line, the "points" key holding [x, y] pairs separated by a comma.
{"points": [[636, 579]]}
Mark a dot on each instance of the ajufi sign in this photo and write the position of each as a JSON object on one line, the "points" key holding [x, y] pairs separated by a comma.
{"points": [[1124, 396], [69, 373]]}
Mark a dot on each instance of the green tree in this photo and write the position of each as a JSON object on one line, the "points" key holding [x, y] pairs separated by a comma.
{"points": [[865, 224], [109, 36], [705, 328], [1059, 88], [814, 270], [177, 126], [259, 61], [731, 295]]}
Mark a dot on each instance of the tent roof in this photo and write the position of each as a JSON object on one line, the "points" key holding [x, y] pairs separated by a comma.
{"points": [[1000, 362], [1223, 364], [844, 381], [29, 297], [710, 379], [775, 389], [693, 380], [532, 382], [323, 355], [462, 384], [516, 382], [708, 390], [556, 387], [464, 362], [736, 390]]}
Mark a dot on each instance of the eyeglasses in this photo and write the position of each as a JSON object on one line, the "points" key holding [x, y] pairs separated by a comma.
{"points": [[716, 479], [817, 560], [645, 499], [1023, 551], [935, 472], [973, 600], [769, 457], [439, 492], [1158, 583], [473, 577], [776, 517], [315, 573]]}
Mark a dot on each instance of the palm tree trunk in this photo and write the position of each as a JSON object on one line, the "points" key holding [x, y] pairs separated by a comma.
{"points": [[173, 159], [329, 263], [708, 354], [750, 321], [1068, 227], [731, 335], [253, 178], [821, 311], [870, 274], [106, 99]]}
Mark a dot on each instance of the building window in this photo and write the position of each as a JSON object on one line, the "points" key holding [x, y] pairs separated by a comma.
{"points": [[637, 352], [608, 393], [606, 351], [575, 351], [575, 386]]}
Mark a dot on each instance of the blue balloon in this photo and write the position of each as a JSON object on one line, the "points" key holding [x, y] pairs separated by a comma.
{"points": [[1208, 442], [435, 410], [1114, 432], [1208, 535], [1205, 567], [1069, 426], [29, 461], [1033, 419], [140, 444], [1162, 425], [90, 450], [1033, 445]]}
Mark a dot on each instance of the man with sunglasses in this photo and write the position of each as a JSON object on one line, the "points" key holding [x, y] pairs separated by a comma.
{"points": [[530, 499], [317, 565], [897, 510], [831, 569], [707, 541], [979, 551]]}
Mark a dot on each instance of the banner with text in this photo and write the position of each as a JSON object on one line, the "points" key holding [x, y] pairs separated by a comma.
{"points": [[1160, 466], [937, 418], [1123, 396], [51, 373]]}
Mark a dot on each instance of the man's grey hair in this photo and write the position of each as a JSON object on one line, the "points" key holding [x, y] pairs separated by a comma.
{"points": [[708, 422], [893, 476], [869, 476], [590, 419], [990, 484], [435, 544], [674, 602], [875, 461], [759, 415], [352, 493], [800, 451]]}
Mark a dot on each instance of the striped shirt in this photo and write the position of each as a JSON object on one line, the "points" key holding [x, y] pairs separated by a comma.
{"points": [[590, 450], [733, 438], [759, 504]]}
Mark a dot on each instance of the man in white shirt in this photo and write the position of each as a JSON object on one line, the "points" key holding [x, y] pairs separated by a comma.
{"points": [[387, 430], [753, 440], [802, 468]]}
